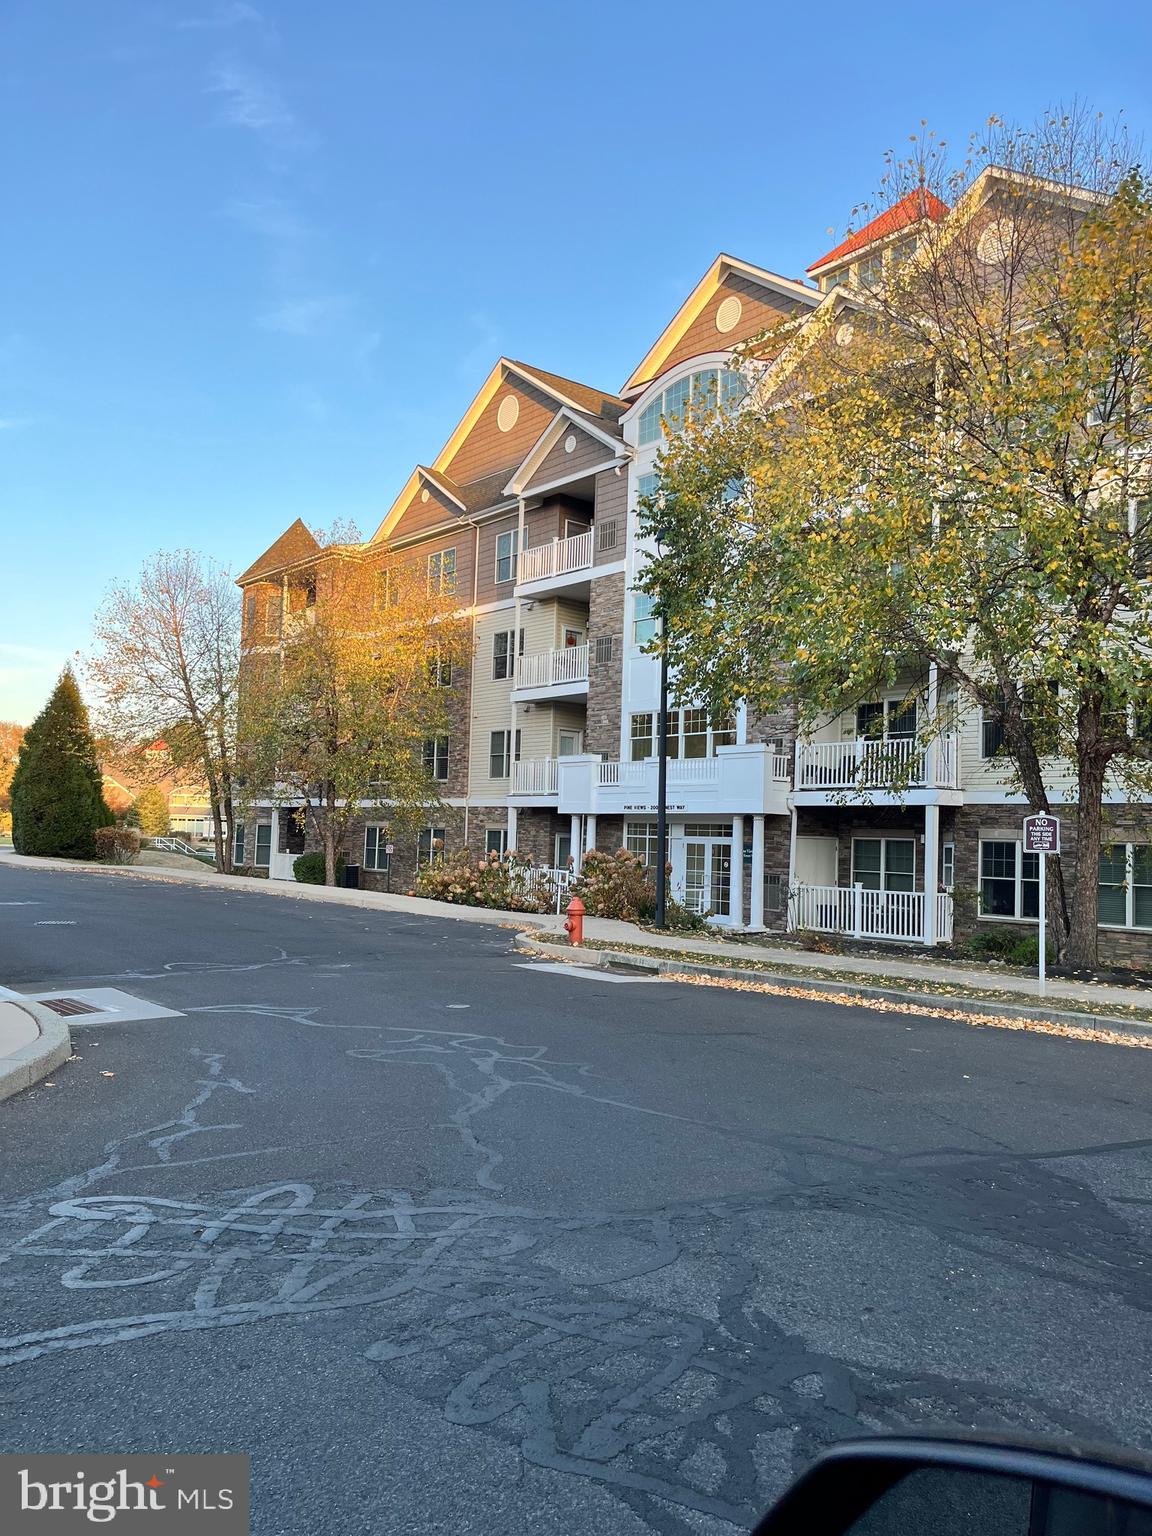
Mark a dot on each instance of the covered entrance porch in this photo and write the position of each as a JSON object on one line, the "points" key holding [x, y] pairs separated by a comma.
{"points": [[878, 873]]}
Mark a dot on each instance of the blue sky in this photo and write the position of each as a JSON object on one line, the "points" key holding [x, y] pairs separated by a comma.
{"points": [[258, 257]]}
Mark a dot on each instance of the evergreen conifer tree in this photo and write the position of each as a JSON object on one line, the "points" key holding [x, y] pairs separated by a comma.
{"points": [[57, 790]]}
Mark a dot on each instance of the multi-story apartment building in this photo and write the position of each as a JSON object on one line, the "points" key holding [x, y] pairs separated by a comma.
{"points": [[530, 509]]}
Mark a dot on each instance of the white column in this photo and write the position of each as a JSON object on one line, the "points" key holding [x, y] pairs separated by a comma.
{"points": [[791, 864], [737, 896], [756, 914], [511, 829], [931, 869], [590, 833], [574, 843], [931, 755]]}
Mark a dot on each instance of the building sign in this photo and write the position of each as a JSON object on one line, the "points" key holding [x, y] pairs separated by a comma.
{"points": [[651, 809], [1041, 834]]}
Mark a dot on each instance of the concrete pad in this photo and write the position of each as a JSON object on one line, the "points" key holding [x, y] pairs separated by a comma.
{"points": [[113, 1006]]}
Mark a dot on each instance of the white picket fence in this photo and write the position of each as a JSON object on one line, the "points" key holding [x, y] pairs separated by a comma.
{"points": [[867, 914], [528, 878]]}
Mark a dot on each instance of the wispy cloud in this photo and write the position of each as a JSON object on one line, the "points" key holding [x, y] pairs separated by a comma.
{"points": [[305, 317], [15, 423], [253, 100], [223, 18]]}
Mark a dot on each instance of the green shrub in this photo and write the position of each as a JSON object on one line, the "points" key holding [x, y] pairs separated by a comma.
{"points": [[1026, 951], [57, 789], [1009, 945], [616, 885], [682, 919], [309, 869]]}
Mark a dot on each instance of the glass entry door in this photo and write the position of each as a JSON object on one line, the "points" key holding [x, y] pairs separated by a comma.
{"points": [[708, 875]]}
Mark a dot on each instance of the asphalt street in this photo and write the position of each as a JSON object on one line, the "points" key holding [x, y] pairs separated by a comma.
{"points": [[448, 1242]]}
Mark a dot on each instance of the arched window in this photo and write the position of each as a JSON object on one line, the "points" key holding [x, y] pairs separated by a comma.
{"points": [[705, 390]]}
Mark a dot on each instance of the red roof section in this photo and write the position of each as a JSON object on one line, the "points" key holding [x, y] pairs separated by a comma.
{"points": [[917, 205]]}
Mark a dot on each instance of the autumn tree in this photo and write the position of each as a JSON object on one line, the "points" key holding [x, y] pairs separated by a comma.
{"points": [[334, 716], [57, 798], [948, 464], [166, 668], [150, 812], [11, 735]]}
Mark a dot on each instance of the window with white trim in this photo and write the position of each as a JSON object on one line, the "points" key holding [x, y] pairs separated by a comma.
{"points": [[691, 733], [502, 652], [500, 748], [439, 670], [496, 841], [1125, 886], [884, 863], [948, 866], [262, 857], [640, 839], [238, 843], [429, 846], [376, 855], [705, 390], [442, 571], [1009, 881], [645, 624], [434, 755], [507, 553]]}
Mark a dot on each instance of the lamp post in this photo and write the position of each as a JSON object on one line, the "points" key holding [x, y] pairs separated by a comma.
{"points": [[662, 770]]}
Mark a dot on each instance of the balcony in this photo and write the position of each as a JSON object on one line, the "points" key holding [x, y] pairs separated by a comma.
{"points": [[738, 780], [865, 914], [535, 777], [872, 770], [558, 674], [562, 565]]}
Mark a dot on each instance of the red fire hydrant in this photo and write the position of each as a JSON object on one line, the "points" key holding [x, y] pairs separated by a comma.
{"points": [[575, 923]]}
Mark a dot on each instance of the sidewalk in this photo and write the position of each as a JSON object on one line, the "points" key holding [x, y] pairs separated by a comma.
{"points": [[782, 959], [33, 1042]]}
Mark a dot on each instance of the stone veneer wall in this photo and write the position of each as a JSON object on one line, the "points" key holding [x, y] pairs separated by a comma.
{"points": [[605, 680]]}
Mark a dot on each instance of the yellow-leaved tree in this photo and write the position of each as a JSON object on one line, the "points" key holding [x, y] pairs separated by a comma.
{"points": [[334, 716], [949, 463]]}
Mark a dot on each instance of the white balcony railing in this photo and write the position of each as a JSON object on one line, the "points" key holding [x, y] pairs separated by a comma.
{"points": [[781, 768], [562, 557], [534, 776], [866, 914], [868, 764], [681, 770], [548, 669]]}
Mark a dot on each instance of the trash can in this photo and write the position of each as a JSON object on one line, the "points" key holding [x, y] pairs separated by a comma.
{"points": [[352, 877]]}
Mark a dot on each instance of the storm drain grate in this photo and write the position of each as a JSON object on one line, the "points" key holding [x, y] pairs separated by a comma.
{"points": [[68, 1007]]}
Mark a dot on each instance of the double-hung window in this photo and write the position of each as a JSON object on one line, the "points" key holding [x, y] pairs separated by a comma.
{"points": [[500, 753], [439, 670], [442, 571], [376, 855], [645, 624], [435, 757], [238, 844], [643, 740], [1009, 881], [496, 841], [503, 658], [884, 863], [429, 846], [1126, 886], [507, 551], [262, 857]]}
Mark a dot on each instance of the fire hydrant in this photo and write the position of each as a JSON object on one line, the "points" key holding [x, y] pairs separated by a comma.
{"points": [[574, 926]]}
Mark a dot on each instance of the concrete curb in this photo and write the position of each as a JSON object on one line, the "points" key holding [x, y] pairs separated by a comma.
{"points": [[35, 1060], [378, 901], [601, 959]]}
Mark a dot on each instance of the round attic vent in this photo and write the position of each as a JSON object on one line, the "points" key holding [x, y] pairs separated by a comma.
{"points": [[728, 315], [570, 442], [844, 334], [424, 494], [508, 414], [995, 244]]}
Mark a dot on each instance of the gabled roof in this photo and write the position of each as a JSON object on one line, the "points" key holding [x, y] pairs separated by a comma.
{"points": [[542, 447], [295, 543], [446, 487], [668, 339], [911, 209], [564, 391]]}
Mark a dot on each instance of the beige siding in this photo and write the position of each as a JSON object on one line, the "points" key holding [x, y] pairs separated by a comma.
{"points": [[559, 464], [491, 707], [421, 514], [761, 308], [611, 513], [486, 449]]}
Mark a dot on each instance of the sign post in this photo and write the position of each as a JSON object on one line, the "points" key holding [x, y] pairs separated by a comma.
{"points": [[1042, 837]]}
